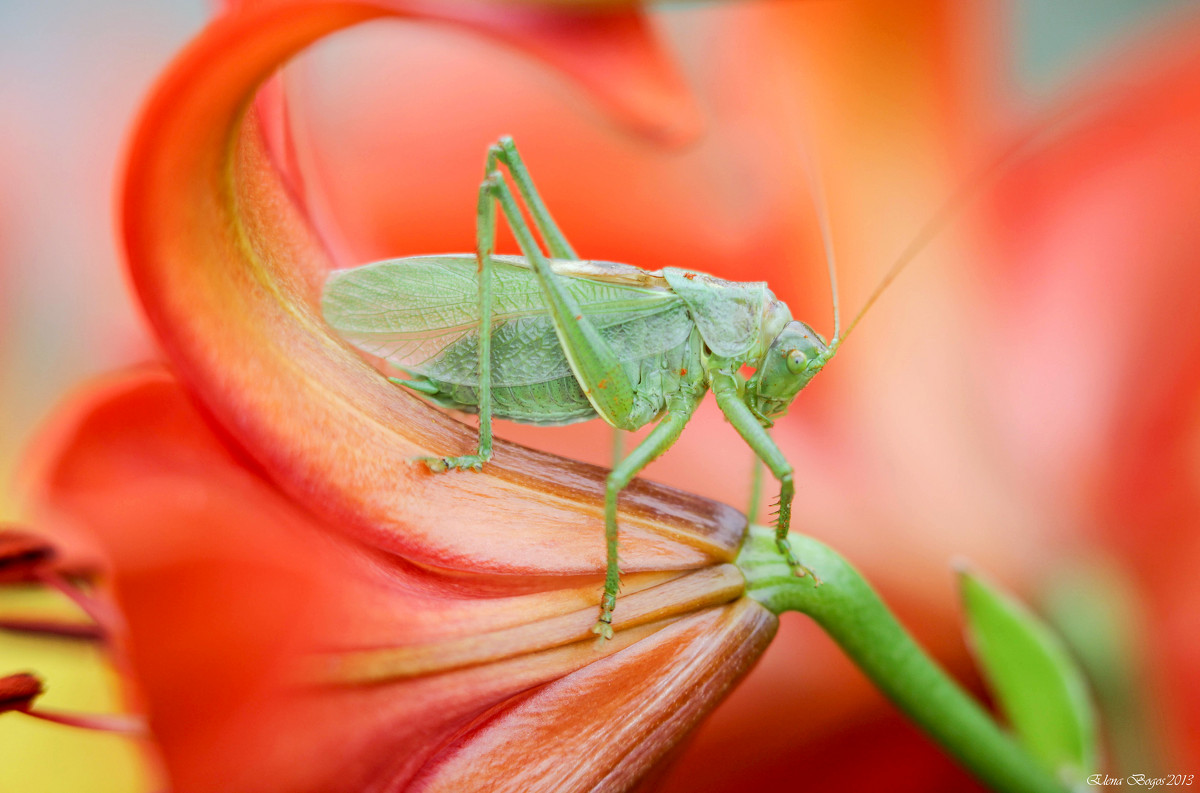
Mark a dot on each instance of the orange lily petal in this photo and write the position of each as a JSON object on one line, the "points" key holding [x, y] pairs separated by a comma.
{"points": [[608, 47], [228, 272], [616, 718], [275, 654]]}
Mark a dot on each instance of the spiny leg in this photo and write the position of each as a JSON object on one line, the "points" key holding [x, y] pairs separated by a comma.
{"points": [[485, 242], [661, 438], [724, 387], [505, 151]]}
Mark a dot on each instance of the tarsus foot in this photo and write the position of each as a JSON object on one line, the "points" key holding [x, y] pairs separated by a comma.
{"points": [[603, 627], [469, 462], [800, 570]]}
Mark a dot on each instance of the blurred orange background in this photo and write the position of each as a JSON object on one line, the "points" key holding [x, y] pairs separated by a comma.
{"points": [[1024, 396]]}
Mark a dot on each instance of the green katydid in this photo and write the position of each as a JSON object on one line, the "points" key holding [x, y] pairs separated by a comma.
{"points": [[554, 340]]}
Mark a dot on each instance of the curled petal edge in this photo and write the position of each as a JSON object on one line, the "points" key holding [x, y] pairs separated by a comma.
{"points": [[228, 269]]}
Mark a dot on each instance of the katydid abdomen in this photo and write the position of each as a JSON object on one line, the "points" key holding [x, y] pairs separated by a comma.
{"points": [[562, 400], [550, 404]]}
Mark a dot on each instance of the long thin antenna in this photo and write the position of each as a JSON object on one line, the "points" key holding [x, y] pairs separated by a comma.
{"points": [[961, 197], [816, 189], [821, 205]]}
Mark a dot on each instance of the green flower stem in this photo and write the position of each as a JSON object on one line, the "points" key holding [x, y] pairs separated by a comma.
{"points": [[846, 607]]}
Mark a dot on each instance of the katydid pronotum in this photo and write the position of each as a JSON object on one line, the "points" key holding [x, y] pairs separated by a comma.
{"points": [[555, 339]]}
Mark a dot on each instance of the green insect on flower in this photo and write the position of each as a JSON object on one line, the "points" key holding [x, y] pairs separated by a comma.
{"points": [[555, 339]]}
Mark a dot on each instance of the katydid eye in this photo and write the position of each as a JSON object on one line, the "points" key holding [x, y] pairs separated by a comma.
{"points": [[797, 361]]}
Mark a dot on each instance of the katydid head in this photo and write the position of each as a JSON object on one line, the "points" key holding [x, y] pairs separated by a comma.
{"points": [[790, 362]]}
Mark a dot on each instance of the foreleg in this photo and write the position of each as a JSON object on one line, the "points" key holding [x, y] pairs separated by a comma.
{"points": [[724, 387]]}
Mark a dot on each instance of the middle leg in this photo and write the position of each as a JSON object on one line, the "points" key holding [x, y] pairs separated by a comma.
{"points": [[661, 438]]}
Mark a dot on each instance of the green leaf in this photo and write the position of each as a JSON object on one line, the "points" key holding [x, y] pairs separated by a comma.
{"points": [[1036, 683]]}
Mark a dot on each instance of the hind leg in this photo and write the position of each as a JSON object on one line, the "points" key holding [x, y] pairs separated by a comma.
{"points": [[505, 151]]}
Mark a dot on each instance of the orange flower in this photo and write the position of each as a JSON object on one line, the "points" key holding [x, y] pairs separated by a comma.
{"points": [[306, 609], [274, 653], [735, 204], [373, 611], [993, 404]]}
